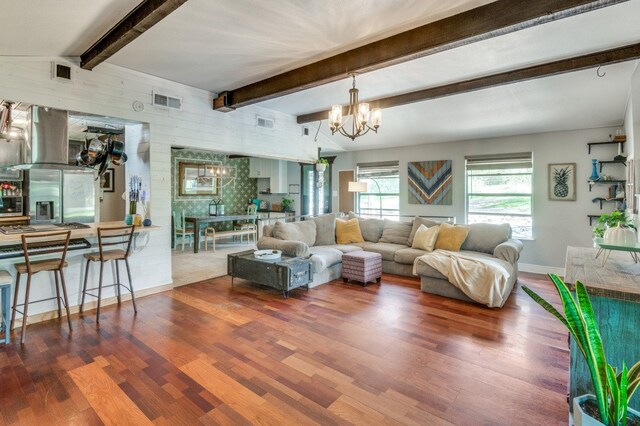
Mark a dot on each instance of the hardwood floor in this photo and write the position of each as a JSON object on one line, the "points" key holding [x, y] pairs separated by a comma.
{"points": [[340, 353]]}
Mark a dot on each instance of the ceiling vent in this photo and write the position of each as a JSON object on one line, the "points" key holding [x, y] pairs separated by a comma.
{"points": [[61, 72], [167, 102], [265, 123]]}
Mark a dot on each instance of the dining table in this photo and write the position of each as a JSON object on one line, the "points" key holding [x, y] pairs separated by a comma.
{"points": [[199, 221]]}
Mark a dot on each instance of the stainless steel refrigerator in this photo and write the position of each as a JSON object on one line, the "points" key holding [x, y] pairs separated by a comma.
{"points": [[61, 196]]}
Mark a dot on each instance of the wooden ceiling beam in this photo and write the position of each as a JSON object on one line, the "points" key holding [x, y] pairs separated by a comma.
{"points": [[578, 63], [144, 16], [482, 23]]}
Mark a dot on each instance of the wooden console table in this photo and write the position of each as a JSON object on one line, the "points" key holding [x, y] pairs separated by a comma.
{"points": [[614, 290]]}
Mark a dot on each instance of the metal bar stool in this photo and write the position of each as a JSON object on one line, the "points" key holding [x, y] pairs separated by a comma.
{"points": [[42, 243], [5, 304], [113, 236]]}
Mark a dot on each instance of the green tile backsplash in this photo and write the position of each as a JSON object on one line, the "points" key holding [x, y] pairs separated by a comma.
{"points": [[235, 197]]}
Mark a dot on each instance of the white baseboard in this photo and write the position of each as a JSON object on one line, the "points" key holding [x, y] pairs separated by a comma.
{"points": [[540, 269]]}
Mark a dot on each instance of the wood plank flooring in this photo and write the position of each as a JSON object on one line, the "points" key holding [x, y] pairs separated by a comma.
{"points": [[210, 354]]}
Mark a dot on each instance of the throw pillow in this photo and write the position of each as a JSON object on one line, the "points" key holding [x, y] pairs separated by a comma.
{"points": [[396, 232], [304, 231], [417, 221], [325, 229], [485, 237], [451, 237], [425, 238], [348, 231], [371, 228]]}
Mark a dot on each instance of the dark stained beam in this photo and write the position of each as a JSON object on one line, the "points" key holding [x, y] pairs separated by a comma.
{"points": [[482, 23], [578, 63], [144, 16]]}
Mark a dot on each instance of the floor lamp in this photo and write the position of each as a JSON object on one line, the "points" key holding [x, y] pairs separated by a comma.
{"points": [[362, 187]]}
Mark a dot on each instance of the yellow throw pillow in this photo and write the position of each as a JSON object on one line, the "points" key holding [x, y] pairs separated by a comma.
{"points": [[348, 231], [451, 237], [425, 238]]}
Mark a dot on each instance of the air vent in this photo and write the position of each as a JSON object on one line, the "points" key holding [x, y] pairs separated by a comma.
{"points": [[265, 123], [167, 102], [61, 72]]}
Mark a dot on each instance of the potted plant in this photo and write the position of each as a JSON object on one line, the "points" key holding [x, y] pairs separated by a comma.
{"points": [[286, 204], [612, 220], [613, 390], [321, 164]]}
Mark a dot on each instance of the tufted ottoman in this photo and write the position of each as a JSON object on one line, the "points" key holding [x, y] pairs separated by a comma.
{"points": [[362, 266]]}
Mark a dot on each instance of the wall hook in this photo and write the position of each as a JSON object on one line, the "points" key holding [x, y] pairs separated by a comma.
{"points": [[598, 72]]}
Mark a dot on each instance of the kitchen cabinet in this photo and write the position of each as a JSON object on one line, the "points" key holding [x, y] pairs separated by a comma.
{"points": [[260, 167], [279, 181], [275, 170]]}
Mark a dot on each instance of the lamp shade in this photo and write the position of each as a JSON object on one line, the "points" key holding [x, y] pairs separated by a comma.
{"points": [[357, 187]]}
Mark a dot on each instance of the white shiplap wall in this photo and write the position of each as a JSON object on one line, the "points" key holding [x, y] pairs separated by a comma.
{"points": [[110, 90]]}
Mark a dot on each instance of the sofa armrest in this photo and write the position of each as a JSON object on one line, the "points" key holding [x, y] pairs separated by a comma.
{"points": [[288, 247], [509, 251]]}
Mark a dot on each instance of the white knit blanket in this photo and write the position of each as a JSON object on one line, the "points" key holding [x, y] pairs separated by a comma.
{"points": [[481, 280]]}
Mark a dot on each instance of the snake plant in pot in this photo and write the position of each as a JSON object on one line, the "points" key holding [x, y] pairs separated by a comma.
{"points": [[613, 390]]}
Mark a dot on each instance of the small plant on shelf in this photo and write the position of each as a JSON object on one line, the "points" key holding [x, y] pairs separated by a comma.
{"points": [[286, 204], [611, 220]]}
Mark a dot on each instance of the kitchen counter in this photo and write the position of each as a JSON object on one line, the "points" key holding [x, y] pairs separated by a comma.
{"points": [[13, 219], [92, 231]]}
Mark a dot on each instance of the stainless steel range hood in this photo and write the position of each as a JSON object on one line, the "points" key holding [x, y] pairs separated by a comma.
{"points": [[46, 142]]}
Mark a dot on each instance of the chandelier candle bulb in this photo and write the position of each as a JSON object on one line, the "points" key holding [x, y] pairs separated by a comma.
{"points": [[335, 116], [363, 114], [376, 117]]}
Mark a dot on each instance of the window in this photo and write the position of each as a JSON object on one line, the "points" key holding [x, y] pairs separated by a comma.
{"points": [[499, 190], [382, 198]]}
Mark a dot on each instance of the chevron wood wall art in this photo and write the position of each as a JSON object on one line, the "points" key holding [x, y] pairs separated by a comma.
{"points": [[430, 182]]}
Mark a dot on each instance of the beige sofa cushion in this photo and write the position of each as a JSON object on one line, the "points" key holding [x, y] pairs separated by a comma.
{"points": [[426, 238], [396, 232], [323, 257], [406, 256], [387, 250], [304, 231], [485, 237], [371, 229], [325, 229], [417, 221]]}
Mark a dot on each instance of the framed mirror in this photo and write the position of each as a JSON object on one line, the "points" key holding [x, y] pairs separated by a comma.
{"points": [[197, 179]]}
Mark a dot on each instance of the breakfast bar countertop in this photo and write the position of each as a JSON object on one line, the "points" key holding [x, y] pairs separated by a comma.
{"points": [[91, 231]]}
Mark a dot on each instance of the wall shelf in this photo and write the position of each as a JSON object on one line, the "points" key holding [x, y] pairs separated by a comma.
{"points": [[605, 182], [606, 200], [624, 163], [621, 143]]}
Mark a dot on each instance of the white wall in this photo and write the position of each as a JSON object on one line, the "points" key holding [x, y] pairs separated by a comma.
{"points": [[110, 90], [557, 224]]}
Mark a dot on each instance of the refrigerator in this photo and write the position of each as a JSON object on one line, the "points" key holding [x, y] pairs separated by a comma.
{"points": [[57, 196]]}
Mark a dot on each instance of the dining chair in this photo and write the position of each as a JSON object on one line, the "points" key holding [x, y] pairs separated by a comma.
{"points": [[249, 223], [180, 229]]}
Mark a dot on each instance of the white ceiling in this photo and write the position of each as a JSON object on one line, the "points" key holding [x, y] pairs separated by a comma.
{"points": [[57, 27], [229, 43]]}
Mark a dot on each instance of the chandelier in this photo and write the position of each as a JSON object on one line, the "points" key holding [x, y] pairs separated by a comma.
{"points": [[361, 116], [225, 174]]}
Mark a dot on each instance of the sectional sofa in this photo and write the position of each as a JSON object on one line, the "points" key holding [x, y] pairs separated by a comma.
{"points": [[316, 239]]}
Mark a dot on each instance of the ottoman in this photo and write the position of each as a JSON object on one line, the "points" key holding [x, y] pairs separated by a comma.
{"points": [[362, 266]]}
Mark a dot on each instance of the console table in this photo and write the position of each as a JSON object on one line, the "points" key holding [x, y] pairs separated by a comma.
{"points": [[614, 290]]}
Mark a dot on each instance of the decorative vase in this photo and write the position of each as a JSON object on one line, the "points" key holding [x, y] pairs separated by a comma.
{"points": [[594, 171], [581, 418], [320, 167], [620, 236], [128, 219], [137, 220]]}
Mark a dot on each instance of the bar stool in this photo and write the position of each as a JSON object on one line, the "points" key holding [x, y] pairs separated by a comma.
{"points": [[112, 236], [5, 304], [42, 243]]}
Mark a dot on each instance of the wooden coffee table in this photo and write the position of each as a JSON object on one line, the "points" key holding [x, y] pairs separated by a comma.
{"points": [[284, 274]]}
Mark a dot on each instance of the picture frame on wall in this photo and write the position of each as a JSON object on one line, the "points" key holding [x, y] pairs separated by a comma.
{"points": [[107, 181], [195, 179], [562, 181]]}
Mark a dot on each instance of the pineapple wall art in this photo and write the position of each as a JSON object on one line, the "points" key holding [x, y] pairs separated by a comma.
{"points": [[562, 182]]}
